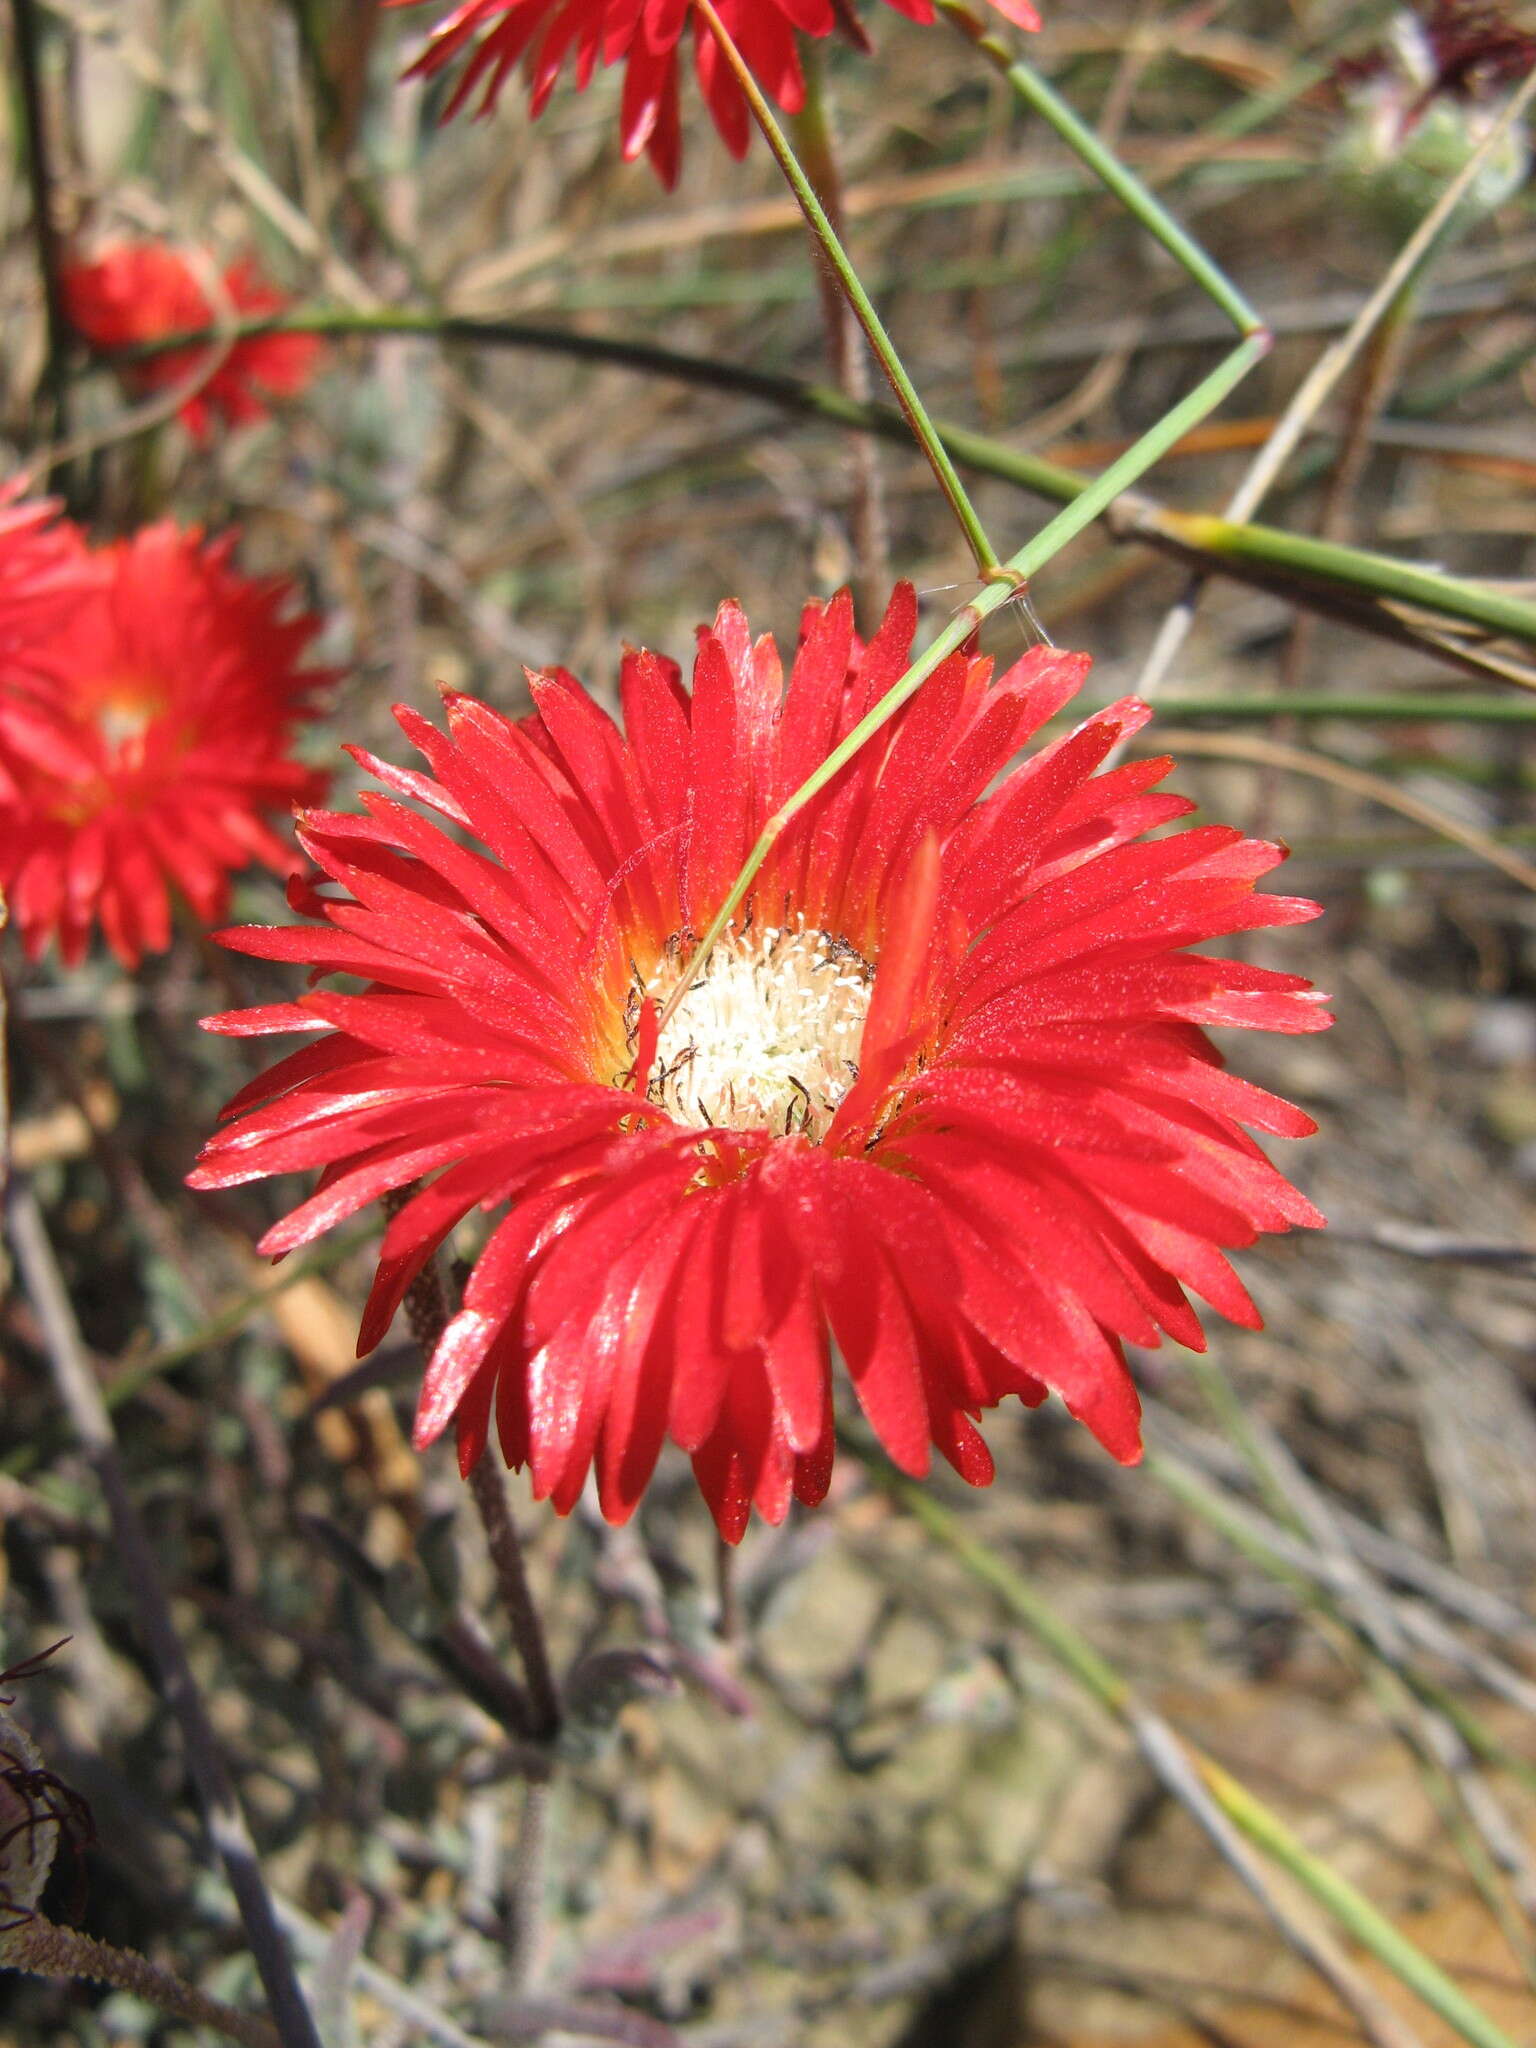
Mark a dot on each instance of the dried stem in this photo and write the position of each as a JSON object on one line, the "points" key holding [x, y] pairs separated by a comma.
{"points": [[1315, 388], [227, 1830], [1375, 376], [530, 1875], [508, 1563], [43, 1949], [426, 1307]]}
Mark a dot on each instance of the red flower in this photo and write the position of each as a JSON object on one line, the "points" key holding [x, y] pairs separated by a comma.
{"points": [[644, 35], [143, 290], [45, 568], [942, 1093], [143, 734]]}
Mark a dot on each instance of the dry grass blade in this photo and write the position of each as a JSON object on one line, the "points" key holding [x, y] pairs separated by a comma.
{"points": [[1237, 1806], [1292, 760], [1316, 388]]}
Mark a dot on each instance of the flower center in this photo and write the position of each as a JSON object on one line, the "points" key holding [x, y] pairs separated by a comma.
{"points": [[767, 1036], [126, 707]]}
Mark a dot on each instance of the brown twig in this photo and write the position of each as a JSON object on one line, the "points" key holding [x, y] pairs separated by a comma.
{"points": [[426, 1308]]}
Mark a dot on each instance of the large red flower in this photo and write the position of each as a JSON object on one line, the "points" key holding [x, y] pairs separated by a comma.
{"points": [[142, 291], [144, 733], [645, 36], [942, 1093]]}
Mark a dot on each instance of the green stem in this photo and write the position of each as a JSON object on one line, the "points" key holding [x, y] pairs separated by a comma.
{"points": [[815, 135], [1263, 1827], [1051, 539], [927, 436], [1107, 167], [1220, 544], [1359, 570], [1401, 708]]}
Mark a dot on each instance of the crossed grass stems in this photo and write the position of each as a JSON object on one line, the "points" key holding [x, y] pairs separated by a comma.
{"points": [[1236, 1821]]}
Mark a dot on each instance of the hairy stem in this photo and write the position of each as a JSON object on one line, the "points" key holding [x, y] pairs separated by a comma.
{"points": [[42, 1949], [530, 1878], [510, 1566], [426, 1308]]}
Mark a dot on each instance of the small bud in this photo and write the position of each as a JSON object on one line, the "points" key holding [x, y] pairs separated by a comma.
{"points": [[1420, 105]]}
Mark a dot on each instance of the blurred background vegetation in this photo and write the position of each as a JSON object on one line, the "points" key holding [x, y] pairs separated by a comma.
{"points": [[886, 1812]]}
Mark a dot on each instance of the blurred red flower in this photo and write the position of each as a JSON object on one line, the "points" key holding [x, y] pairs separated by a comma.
{"points": [[143, 736], [45, 567], [941, 1093], [644, 36], [141, 291]]}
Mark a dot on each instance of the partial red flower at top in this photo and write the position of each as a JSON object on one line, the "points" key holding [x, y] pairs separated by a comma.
{"points": [[645, 35], [141, 291], [144, 736], [941, 1093]]}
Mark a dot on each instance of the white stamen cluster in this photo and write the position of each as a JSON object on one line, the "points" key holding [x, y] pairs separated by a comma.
{"points": [[768, 1035]]}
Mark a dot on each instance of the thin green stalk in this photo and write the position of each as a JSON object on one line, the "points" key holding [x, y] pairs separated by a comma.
{"points": [[1217, 543], [1070, 521], [1133, 195], [1401, 707], [1262, 1826], [1357, 568], [927, 436], [1113, 482], [1265, 1829], [815, 134]]}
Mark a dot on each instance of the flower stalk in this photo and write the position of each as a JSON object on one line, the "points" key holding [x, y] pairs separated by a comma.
{"points": [[1309, 571], [426, 1309], [850, 284], [814, 131]]}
